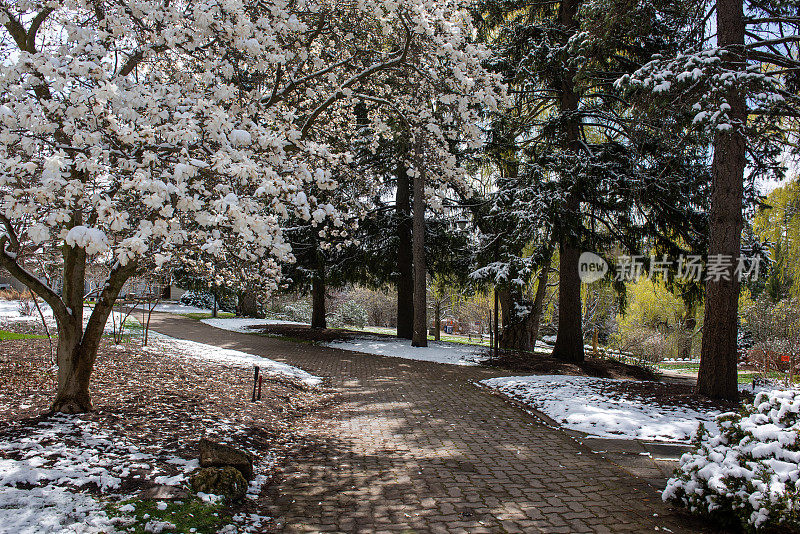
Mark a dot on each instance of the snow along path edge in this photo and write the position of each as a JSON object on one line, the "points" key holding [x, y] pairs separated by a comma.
{"points": [[211, 353], [579, 403]]}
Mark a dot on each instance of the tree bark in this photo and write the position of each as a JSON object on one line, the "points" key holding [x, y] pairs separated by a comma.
{"points": [[318, 319], [496, 346], [569, 340], [717, 377], [405, 264], [77, 347], [420, 337], [516, 333], [248, 304], [437, 325], [538, 299]]}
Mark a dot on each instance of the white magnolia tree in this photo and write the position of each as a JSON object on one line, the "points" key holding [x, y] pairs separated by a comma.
{"points": [[134, 131]]}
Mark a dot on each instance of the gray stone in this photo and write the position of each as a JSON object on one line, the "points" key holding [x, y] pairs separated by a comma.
{"points": [[213, 454]]}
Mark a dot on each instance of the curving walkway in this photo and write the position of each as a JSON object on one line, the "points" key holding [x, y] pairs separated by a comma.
{"points": [[415, 447]]}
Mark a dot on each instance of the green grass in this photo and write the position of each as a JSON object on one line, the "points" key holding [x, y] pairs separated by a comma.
{"points": [[6, 335], [189, 516], [200, 315]]}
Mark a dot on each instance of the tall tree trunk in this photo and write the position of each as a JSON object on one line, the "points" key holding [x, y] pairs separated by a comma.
{"points": [[405, 264], [717, 376], [318, 319], [437, 325], [496, 346], [569, 340], [538, 299], [420, 337]]}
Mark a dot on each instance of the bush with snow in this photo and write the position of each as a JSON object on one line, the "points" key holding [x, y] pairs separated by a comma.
{"points": [[750, 471], [298, 311], [203, 299], [350, 313]]}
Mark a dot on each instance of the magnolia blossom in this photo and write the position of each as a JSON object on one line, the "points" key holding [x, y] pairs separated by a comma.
{"points": [[141, 130]]}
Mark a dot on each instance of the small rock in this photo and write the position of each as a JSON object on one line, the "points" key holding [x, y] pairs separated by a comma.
{"points": [[226, 481], [214, 454], [163, 493]]}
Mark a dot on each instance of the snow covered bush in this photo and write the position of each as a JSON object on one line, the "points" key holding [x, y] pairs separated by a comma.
{"points": [[198, 299], [750, 471], [298, 311], [350, 313]]}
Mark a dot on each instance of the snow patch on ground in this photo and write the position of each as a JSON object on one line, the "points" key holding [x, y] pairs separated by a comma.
{"points": [[200, 351], [173, 307], [581, 403], [9, 311], [44, 477], [436, 351], [243, 325]]}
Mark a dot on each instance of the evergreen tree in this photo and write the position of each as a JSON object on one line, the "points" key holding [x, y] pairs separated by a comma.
{"points": [[738, 76], [577, 169]]}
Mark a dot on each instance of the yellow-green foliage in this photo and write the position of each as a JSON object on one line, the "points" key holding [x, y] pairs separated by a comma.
{"points": [[653, 305], [652, 326], [780, 225]]}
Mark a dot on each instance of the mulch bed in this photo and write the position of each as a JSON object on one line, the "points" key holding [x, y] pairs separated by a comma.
{"points": [[306, 333], [162, 403], [596, 367]]}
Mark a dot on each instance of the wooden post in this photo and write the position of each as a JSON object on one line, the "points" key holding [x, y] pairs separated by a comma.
{"points": [[256, 372], [496, 324]]}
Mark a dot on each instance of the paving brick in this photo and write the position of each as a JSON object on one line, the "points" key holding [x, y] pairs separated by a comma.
{"points": [[412, 446]]}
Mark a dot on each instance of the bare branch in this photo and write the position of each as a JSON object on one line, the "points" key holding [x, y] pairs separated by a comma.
{"points": [[377, 67]]}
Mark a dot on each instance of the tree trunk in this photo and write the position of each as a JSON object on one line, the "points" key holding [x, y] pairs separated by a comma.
{"points": [[75, 360], [569, 340], [437, 325], [318, 319], [248, 305], [420, 337], [496, 346], [538, 299], [516, 332], [405, 265], [77, 347], [717, 377], [491, 332]]}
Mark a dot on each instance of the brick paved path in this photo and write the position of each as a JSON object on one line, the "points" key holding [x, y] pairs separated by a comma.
{"points": [[415, 447]]}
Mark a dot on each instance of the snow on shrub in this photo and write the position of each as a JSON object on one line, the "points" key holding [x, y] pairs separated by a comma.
{"points": [[198, 299], [350, 313], [750, 471]]}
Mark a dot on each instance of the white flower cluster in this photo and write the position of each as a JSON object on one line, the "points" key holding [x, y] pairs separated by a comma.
{"points": [[750, 470], [140, 129]]}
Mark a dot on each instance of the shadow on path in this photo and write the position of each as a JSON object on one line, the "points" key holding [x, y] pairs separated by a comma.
{"points": [[411, 446]]}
